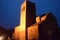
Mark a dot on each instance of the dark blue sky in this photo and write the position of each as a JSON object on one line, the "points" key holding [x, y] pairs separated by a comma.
{"points": [[10, 10]]}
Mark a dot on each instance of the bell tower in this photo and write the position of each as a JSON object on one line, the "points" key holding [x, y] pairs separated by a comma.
{"points": [[27, 18], [28, 13]]}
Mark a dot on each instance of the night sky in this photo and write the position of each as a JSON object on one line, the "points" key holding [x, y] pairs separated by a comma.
{"points": [[10, 11]]}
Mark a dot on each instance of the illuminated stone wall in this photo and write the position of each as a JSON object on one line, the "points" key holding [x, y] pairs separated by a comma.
{"points": [[33, 32], [20, 33]]}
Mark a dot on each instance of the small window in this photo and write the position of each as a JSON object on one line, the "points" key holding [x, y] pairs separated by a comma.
{"points": [[23, 8]]}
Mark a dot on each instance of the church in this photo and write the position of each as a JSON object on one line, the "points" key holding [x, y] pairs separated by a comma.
{"points": [[34, 27]]}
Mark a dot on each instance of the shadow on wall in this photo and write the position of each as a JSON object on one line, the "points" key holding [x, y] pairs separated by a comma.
{"points": [[47, 29]]}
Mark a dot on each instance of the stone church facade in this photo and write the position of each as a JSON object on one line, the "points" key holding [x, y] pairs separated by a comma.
{"points": [[34, 27]]}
